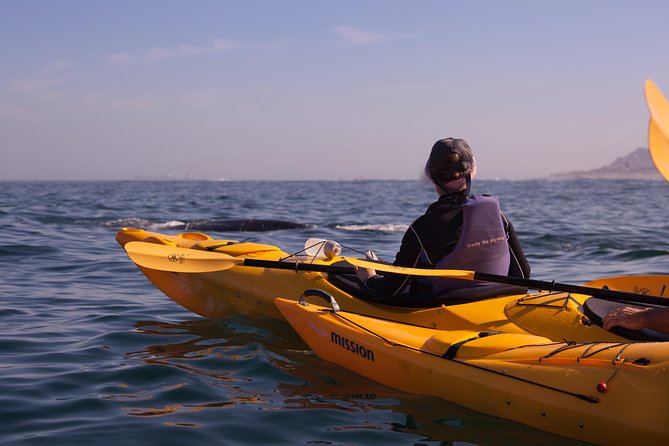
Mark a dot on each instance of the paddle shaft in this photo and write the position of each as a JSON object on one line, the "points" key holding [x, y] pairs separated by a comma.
{"points": [[295, 266], [175, 259], [616, 296]]}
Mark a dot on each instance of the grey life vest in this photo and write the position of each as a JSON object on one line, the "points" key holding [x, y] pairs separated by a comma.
{"points": [[482, 247]]}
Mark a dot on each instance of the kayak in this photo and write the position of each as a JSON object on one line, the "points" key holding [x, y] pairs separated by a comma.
{"points": [[599, 392], [240, 289]]}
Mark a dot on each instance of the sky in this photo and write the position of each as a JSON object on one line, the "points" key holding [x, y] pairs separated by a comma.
{"points": [[305, 90]]}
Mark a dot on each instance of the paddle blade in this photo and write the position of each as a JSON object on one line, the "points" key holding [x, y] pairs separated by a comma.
{"points": [[178, 260], [428, 272], [658, 128]]}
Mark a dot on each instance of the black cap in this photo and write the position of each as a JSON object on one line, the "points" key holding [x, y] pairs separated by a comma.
{"points": [[449, 159]]}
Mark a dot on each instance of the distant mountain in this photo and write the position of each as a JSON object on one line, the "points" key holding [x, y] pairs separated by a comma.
{"points": [[636, 166]]}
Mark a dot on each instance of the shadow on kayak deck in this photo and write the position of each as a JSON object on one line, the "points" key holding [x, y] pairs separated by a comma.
{"points": [[350, 284]]}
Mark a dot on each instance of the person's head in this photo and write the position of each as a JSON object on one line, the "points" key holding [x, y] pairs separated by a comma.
{"points": [[451, 165]]}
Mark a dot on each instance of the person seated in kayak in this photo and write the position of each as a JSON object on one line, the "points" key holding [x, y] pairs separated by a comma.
{"points": [[458, 231], [636, 318]]}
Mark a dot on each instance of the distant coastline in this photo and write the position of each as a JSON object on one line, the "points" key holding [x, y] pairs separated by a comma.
{"points": [[637, 165]]}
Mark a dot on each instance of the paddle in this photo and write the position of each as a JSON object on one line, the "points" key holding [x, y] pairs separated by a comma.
{"points": [[184, 260], [658, 128], [604, 294]]}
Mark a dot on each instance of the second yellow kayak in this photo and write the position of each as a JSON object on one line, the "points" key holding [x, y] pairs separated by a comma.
{"points": [[600, 392]]}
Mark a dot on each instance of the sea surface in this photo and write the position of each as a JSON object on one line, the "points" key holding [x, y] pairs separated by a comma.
{"points": [[92, 353]]}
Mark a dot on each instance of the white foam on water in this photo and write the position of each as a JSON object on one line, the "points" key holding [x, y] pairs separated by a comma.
{"points": [[145, 224], [387, 227], [168, 225], [128, 223]]}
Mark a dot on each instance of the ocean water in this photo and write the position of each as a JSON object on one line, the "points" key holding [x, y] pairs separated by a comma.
{"points": [[92, 353]]}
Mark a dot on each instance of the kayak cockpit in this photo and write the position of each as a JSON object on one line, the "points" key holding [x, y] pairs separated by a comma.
{"points": [[350, 284]]}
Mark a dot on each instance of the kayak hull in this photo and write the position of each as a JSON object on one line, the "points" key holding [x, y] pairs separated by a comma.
{"points": [[552, 386], [252, 290]]}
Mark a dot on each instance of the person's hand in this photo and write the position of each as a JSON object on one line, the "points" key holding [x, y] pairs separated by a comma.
{"points": [[626, 317], [364, 273]]}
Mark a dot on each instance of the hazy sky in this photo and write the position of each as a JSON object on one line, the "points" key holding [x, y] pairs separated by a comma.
{"points": [[322, 90]]}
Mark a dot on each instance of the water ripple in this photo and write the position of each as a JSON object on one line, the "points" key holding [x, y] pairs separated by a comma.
{"points": [[90, 351]]}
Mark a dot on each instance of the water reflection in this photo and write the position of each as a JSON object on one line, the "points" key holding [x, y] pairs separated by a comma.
{"points": [[262, 362]]}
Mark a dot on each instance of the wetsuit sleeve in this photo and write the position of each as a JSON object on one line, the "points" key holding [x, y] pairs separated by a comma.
{"points": [[519, 266]]}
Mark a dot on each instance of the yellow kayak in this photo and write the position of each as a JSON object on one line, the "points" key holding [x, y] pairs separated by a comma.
{"points": [[237, 288], [600, 392]]}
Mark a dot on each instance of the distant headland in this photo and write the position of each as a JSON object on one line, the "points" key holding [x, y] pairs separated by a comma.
{"points": [[635, 166]]}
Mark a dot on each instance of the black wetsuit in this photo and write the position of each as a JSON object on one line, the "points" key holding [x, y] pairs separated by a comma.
{"points": [[430, 238]]}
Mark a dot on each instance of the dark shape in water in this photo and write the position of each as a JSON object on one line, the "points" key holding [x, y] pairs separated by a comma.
{"points": [[244, 225]]}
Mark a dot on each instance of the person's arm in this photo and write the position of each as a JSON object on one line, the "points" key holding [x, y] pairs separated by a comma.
{"points": [[519, 266], [635, 318]]}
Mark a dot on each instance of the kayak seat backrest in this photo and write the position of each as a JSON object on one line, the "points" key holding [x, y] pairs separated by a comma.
{"points": [[596, 309], [190, 239], [350, 284], [198, 236], [465, 344], [159, 241], [233, 247]]}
